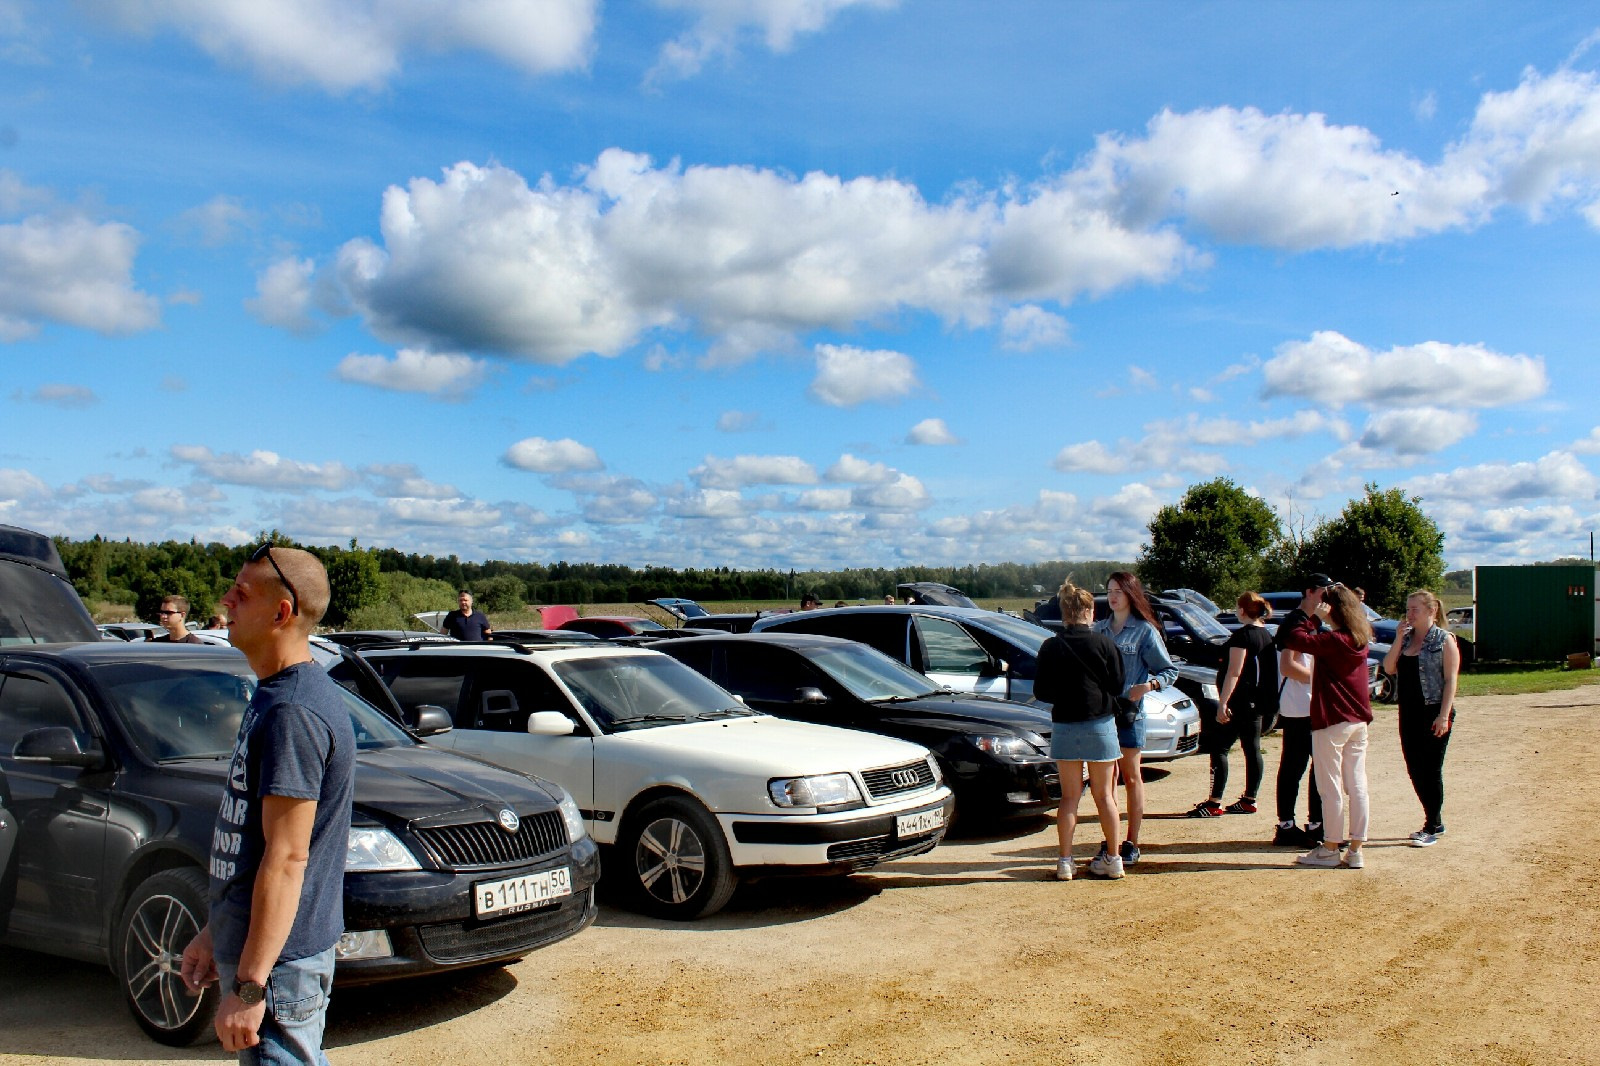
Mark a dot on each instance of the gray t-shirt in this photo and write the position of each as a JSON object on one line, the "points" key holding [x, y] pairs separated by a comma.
{"points": [[296, 741]]}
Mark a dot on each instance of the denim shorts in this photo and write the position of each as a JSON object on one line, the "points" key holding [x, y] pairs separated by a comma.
{"points": [[1091, 741], [1131, 736], [297, 1010]]}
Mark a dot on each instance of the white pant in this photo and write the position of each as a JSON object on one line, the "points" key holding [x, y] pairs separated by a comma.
{"points": [[1339, 759]]}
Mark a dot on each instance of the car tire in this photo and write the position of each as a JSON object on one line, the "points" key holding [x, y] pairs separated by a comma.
{"points": [[676, 861], [162, 916]]}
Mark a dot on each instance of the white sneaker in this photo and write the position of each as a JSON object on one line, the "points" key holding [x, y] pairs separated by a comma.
{"points": [[1320, 856], [1106, 866], [1424, 839], [1064, 868], [1355, 859]]}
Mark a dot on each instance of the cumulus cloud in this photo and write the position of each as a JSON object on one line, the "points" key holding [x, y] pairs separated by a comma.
{"points": [[862, 471], [742, 470], [1177, 444], [707, 503], [66, 397], [217, 221], [404, 480], [931, 431], [737, 421], [358, 44], [1589, 445], [284, 296], [848, 376], [543, 456], [824, 500], [1416, 430], [74, 271], [263, 469], [1330, 368], [616, 501], [435, 512], [19, 484], [434, 373], [1558, 475], [722, 25], [1030, 326], [901, 493]]}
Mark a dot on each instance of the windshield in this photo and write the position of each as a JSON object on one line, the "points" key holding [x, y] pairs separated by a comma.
{"points": [[1205, 627], [637, 691], [868, 673], [37, 607], [185, 711]]}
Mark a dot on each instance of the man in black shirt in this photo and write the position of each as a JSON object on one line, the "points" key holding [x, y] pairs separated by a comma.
{"points": [[468, 624], [173, 614]]}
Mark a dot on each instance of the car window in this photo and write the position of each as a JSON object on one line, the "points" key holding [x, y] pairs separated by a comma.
{"points": [[868, 673], [764, 673], [949, 649], [505, 694], [38, 607], [638, 691], [27, 703], [417, 682]]}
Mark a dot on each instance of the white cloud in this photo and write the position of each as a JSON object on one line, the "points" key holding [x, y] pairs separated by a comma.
{"points": [[74, 271], [847, 376], [721, 25], [434, 373], [450, 513], [931, 431], [405, 481], [284, 296], [903, 493], [20, 484], [543, 456], [217, 221], [742, 470], [861, 471], [707, 503], [617, 501], [824, 500], [1558, 475], [1025, 328], [66, 397], [1416, 430], [357, 44], [738, 421], [1332, 369], [263, 469], [1589, 445]]}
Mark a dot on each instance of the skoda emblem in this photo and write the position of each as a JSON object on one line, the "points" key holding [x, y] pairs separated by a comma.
{"points": [[509, 820], [904, 778]]}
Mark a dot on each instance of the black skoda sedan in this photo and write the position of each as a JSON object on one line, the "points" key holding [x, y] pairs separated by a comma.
{"points": [[995, 754], [113, 756]]}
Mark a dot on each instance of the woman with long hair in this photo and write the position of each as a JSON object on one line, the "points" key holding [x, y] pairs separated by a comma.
{"points": [[1427, 662], [1146, 668], [1247, 694], [1079, 673], [1341, 711]]}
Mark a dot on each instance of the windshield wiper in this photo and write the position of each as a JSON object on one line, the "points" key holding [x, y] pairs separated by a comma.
{"points": [[624, 723], [895, 699], [725, 712]]}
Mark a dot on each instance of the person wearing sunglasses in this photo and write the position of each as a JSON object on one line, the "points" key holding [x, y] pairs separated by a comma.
{"points": [[278, 849], [173, 615]]}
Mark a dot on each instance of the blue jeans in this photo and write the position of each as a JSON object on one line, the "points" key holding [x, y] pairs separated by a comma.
{"points": [[297, 1010]]}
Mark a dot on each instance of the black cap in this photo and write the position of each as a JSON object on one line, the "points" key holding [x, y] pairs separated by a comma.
{"points": [[1318, 581]]}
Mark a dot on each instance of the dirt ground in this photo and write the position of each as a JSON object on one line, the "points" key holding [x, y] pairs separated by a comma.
{"points": [[1216, 949]]}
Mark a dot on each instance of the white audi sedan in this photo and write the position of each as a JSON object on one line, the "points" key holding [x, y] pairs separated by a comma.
{"points": [[690, 789]]}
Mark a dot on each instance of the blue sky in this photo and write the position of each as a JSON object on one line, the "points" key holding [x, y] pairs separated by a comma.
{"points": [[794, 283]]}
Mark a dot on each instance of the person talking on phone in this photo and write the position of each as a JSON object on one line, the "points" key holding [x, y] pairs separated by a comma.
{"points": [[1427, 662]]}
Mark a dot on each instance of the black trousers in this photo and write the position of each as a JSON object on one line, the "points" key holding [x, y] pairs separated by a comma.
{"points": [[1246, 725], [1424, 754], [1293, 764]]}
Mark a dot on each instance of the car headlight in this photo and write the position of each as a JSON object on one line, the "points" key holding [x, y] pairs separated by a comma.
{"points": [[1011, 746], [823, 790], [933, 767], [377, 849], [570, 814]]}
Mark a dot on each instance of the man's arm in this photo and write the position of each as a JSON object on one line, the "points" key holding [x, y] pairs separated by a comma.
{"points": [[286, 824]]}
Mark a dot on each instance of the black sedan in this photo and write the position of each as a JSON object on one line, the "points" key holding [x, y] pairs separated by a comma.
{"points": [[113, 757], [995, 754]]}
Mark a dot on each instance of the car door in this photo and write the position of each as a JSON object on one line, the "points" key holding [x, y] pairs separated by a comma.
{"points": [[951, 658], [60, 813]]}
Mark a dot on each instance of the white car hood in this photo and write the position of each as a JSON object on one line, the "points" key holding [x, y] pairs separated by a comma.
{"points": [[773, 747]]}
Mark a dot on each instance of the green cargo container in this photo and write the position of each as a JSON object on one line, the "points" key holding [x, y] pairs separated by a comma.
{"points": [[1534, 613]]}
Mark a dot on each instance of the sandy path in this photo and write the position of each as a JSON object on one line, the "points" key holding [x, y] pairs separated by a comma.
{"points": [[1484, 949]]}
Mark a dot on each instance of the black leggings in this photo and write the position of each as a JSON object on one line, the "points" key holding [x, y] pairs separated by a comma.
{"points": [[1292, 766], [1246, 725], [1424, 755]]}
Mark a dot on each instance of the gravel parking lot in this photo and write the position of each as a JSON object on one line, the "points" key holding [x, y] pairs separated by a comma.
{"points": [[1216, 949]]}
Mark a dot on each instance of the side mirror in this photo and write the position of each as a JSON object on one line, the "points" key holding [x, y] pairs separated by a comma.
{"points": [[428, 720], [549, 724], [808, 694], [58, 746]]}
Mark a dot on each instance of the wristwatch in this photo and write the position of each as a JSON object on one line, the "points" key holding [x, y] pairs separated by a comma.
{"points": [[249, 992]]}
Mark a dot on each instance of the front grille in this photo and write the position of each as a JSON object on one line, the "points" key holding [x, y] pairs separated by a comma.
{"points": [[865, 854], [473, 939], [482, 844], [1187, 744], [898, 780], [871, 847]]}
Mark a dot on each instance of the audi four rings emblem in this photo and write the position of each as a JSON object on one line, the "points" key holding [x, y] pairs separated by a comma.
{"points": [[509, 820], [904, 778]]}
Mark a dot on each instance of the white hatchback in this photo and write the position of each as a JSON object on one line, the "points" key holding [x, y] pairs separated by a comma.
{"points": [[692, 788]]}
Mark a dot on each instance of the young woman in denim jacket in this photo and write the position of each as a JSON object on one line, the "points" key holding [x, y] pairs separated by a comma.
{"points": [[1146, 668], [1427, 661]]}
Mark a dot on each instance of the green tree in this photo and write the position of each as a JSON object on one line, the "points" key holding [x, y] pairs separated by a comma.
{"points": [[1212, 540], [352, 582], [1382, 543], [499, 595]]}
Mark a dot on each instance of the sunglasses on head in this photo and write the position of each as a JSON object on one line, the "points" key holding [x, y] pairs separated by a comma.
{"points": [[265, 552]]}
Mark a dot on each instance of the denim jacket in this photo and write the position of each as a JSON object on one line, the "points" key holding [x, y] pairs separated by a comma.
{"points": [[1144, 653], [1430, 665]]}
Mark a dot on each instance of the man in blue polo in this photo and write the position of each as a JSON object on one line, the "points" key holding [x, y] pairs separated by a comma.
{"points": [[278, 849], [467, 624]]}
